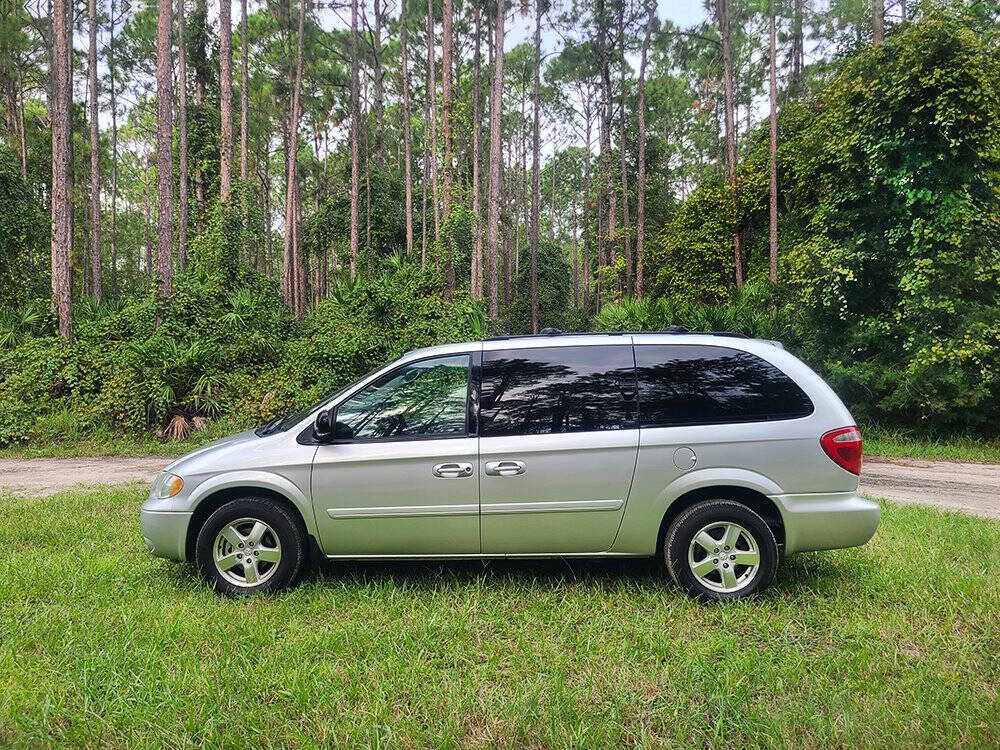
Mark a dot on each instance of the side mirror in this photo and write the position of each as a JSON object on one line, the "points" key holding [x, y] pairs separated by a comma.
{"points": [[323, 426], [342, 430]]}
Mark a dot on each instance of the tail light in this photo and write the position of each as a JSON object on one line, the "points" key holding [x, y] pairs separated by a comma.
{"points": [[843, 445]]}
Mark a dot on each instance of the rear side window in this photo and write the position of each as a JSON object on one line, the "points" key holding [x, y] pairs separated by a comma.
{"points": [[557, 389], [687, 385]]}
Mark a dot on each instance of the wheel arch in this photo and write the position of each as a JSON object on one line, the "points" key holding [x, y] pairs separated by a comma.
{"points": [[757, 501], [218, 497]]}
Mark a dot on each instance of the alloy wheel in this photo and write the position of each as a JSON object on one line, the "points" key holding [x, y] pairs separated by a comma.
{"points": [[724, 557], [246, 552]]}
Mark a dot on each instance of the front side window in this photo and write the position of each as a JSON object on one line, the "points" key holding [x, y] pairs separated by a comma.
{"points": [[694, 384], [557, 389], [422, 399]]}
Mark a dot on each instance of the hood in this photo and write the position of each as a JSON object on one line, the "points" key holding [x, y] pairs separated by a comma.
{"points": [[211, 452]]}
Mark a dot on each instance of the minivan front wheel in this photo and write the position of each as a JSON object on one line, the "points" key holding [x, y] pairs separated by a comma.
{"points": [[250, 545], [720, 549]]}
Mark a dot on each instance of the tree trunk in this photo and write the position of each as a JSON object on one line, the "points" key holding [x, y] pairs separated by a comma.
{"points": [[425, 177], [773, 93], [182, 198], [536, 144], [476, 282], [407, 137], [798, 46], [301, 261], [493, 221], [292, 252], [164, 149], [95, 157], [432, 96], [245, 130], [355, 137], [368, 176], [265, 187], [378, 75], [60, 118], [626, 238], [586, 209], [114, 155], [878, 21], [552, 189], [22, 136], [640, 219], [226, 98], [244, 97], [148, 228], [446, 44], [423, 219], [522, 202], [200, 86], [727, 75], [576, 253], [606, 171]]}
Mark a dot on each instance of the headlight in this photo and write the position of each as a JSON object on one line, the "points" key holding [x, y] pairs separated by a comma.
{"points": [[167, 485]]}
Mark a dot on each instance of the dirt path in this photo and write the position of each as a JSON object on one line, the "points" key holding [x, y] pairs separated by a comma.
{"points": [[45, 476], [973, 488]]}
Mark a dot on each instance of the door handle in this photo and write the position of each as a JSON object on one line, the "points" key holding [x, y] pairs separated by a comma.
{"points": [[454, 470], [504, 468]]}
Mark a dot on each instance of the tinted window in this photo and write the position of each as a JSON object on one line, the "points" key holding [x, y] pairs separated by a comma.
{"points": [[557, 389], [421, 399], [712, 384]]}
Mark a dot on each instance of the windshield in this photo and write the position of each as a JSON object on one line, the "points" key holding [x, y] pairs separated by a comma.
{"points": [[287, 421]]}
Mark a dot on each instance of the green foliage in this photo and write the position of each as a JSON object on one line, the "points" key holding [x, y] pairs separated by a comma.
{"points": [[235, 230], [330, 224], [24, 235], [225, 348], [890, 228], [900, 169], [365, 323], [692, 256], [553, 292], [751, 311]]}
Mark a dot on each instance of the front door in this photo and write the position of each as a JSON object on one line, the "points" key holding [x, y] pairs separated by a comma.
{"points": [[558, 444], [403, 479]]}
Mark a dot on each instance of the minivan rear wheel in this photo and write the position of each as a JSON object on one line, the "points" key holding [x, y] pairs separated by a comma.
{"points": [[720, 549], [250, 545]]}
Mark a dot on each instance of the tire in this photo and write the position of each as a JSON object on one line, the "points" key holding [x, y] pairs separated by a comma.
{"points": [[255, 529], [733, 531]]}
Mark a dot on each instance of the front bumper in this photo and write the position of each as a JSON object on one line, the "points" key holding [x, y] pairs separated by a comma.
{"points": [[165, 532], [827, 520]]}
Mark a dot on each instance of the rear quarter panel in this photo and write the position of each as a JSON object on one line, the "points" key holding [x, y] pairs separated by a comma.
{"points": [[772, 458]]}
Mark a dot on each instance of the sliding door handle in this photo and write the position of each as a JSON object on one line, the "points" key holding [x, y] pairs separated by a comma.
{"points": [[453, 470], [504, 468]]}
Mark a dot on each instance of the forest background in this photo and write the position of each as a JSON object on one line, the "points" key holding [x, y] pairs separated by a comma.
{"points": [[214, 214]]}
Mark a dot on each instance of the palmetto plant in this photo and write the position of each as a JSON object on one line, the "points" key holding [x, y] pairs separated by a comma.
{"points": [[752, 311], [342, 288], [181, 378], [19, 324], [242, 308]]}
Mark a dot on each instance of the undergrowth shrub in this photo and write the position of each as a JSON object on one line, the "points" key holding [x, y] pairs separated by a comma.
{"points": [[222, 350]]}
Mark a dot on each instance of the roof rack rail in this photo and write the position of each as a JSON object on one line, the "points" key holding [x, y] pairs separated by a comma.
{"points": [[684, 330], [676, 330]]}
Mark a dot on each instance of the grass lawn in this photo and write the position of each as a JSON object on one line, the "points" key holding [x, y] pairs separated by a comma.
{"points": [[886, 443], [893, 644]]}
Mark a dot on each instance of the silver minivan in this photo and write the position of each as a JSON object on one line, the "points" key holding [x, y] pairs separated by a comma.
{"points": [[713, 450]]}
